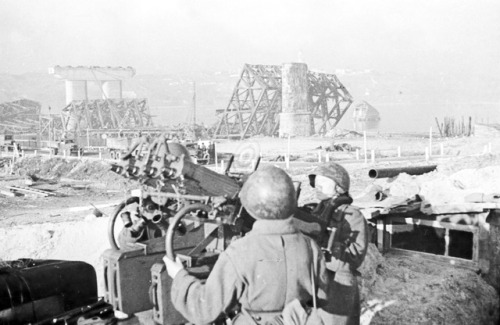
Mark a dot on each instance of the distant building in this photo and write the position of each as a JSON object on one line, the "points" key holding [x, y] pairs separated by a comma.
{"points": [[362, 111]]}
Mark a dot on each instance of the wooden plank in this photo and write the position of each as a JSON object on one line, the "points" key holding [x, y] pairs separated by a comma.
{"points": [[409, 207], [10, 178], [448, 260], [435, 224], [460, 208], [388, 234], [30, 191], [383, 237], [380, 235], [447, 242], [475, 247]]}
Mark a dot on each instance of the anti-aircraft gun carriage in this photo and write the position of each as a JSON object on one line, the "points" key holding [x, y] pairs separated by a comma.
{"points": [[182, 209]]}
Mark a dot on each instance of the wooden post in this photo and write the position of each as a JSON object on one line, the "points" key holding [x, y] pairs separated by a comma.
{"points": [[380, 235], [388, 235], [215, 154], [357, 154], [384, 233], [364, 147], [430, 141], [439, 128], [446, 242], [288, 148], [399, 151]]}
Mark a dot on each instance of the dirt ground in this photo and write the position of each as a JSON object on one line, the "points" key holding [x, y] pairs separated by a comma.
{"points": [[394, 290]]}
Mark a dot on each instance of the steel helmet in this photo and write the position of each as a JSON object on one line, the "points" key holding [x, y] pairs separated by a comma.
{"points": [[334, 172], [269, 193], [178, 149]]}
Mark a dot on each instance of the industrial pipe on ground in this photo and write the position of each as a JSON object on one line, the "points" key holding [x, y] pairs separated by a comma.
{"points": [[391, 172]]}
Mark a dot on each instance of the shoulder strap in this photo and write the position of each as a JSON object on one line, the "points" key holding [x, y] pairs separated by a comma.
{"points": [[313, 274]]}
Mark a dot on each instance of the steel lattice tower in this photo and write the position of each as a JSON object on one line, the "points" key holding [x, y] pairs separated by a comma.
{"points": [[328, 101], [255, 104], [99, 114]]}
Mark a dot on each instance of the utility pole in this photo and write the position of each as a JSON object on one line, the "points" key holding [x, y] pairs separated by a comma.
{"points": [[194, 102], [50, 125]]}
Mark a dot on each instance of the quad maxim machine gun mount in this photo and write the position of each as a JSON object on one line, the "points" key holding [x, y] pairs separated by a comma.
{"points": [[182, 209]]}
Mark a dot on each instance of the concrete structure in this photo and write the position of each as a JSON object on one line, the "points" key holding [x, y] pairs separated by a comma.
{"points": [[76, 90], [112, 89], [295, 117], [109, 79]]}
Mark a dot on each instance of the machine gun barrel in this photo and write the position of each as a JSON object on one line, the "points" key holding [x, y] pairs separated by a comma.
{"points": [[163, 167]]}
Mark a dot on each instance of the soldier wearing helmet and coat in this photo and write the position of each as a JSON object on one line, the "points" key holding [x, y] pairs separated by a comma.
{"points": [[273, 265], [342, 232]]}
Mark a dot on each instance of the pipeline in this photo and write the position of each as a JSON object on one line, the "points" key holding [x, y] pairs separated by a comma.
{"points": [[391, 172]]}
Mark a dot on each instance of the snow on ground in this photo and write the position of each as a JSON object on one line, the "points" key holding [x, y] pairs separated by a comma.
{"points": [[394, 290], [83, 240]]}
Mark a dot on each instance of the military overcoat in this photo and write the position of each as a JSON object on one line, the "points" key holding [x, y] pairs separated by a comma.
{"points": [[262, 272]]}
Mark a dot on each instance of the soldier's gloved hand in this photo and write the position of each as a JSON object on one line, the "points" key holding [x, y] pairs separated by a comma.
{"points": [[338, 250], [173, 267]]}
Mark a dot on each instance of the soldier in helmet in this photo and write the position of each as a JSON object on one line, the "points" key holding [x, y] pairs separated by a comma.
{"points": [[273, 265], [342, 232]]}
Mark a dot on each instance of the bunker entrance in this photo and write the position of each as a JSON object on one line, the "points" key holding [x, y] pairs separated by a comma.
{"points": [[427, 239]]}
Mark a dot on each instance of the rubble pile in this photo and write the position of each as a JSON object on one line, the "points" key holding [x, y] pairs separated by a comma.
{"points": [[342, 147], [56, 167]]}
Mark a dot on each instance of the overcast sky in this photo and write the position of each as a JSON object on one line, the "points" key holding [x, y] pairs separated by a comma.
{"points": [[171, 36]]}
